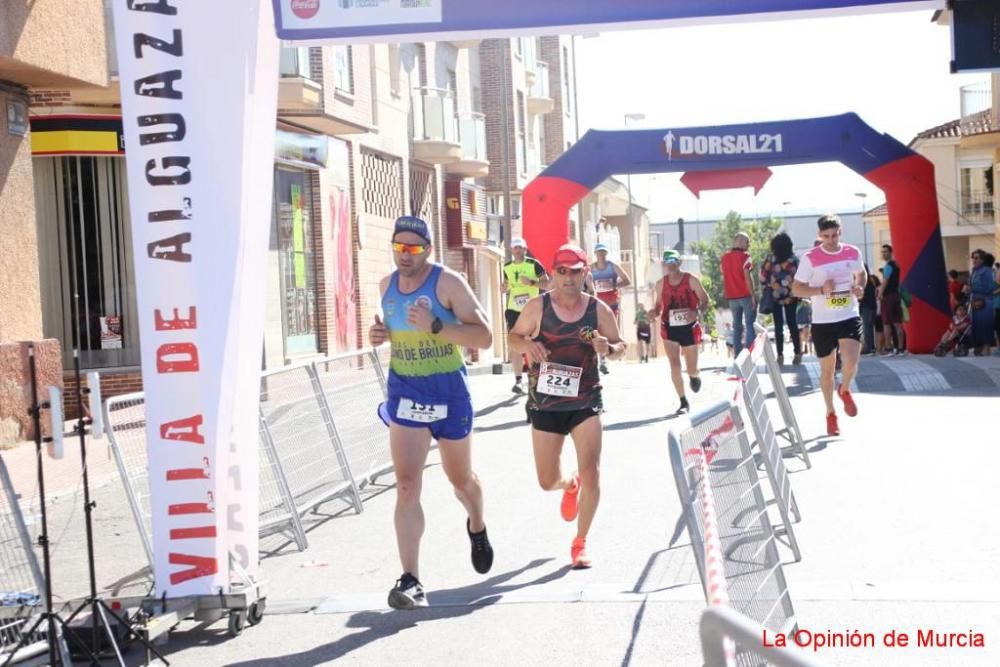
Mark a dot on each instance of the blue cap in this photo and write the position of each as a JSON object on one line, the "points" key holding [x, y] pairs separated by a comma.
{"points": [[410, 223], [599, 247]]}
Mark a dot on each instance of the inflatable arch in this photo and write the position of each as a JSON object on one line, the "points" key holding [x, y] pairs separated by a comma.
{"points": [[906, 178]]}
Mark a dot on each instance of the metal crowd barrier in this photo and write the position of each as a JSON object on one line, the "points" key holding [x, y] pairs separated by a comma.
{"points": [[21, 586], [719, 624], [754, 576], [790, 431], [320, 440], [760, 421]]}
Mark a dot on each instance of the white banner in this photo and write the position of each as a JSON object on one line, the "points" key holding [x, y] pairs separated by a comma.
{"points": [[198, 81]]}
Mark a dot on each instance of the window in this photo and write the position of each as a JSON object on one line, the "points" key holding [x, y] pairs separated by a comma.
{"points": [[295, 62], [395, 69], [292, 235], [343, 69], [477, 99], [975, 191]]}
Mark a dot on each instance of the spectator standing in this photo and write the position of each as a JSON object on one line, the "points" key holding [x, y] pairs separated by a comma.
{"points": [[737, 284], [891, 302], [776, 276], [982, 284], [869, 312]]}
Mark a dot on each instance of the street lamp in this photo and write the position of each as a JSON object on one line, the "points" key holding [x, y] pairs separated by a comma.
{"points": [[634, 117], [864, 228]]}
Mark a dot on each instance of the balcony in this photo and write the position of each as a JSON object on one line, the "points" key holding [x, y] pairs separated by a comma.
{"points": [[435, 126], [472, 135], [539, 98], [465, 43], [977, 205]]}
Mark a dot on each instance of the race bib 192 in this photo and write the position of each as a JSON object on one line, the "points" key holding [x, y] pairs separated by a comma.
{"points": [[425, 413], [679, 317], [559, 380], [604, 285]]}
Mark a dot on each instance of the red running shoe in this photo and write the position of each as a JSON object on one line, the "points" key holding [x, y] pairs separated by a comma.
{"points": [[569, 506], [831, 425], [850, 407], [578, 552]]}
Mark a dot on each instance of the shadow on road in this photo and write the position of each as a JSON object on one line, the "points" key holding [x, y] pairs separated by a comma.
{"points": [[490, 409], [450, 603], [621, 426]]}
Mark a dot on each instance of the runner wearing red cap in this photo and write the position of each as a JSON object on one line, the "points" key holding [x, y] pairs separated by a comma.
{"points": [[562, 332]]}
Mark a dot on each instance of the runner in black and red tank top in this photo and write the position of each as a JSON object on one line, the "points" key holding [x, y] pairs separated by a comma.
{"points": [[563, 332], [680, 299], [570, 346]]}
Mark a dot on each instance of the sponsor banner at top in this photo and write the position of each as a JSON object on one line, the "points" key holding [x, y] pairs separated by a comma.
{"points": [[417, 20], [312, 14]]}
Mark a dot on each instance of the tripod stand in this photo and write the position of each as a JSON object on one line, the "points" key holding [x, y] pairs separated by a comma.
{"points": [[100, 612], [51, 619]]}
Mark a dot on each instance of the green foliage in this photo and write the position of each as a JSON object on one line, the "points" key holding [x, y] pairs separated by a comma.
{"points": [[760, 233]]}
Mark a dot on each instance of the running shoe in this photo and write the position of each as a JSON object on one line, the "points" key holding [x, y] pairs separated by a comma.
{"points": [[901, 353], [695, 383], [578, 553], [517, 389], [569, 505], [797, 359], [408, 593], [684, 405], [604, 368], [781, 360], [850, 407], [482, 550], [832, 428]]}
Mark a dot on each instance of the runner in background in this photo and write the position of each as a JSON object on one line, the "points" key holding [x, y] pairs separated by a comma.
{"points": [[430, 314], [680, 300], [523, 279], [607, 278], [563, 332], [643, 334]]}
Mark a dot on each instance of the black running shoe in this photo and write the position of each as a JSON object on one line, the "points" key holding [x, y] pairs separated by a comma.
{"points": [[684, 405], [407, 593], [604, 368], [517, 389], [482, 550], [695, 383]]}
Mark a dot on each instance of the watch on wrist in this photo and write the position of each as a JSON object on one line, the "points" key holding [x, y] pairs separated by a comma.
{"points": [[437, 325]]}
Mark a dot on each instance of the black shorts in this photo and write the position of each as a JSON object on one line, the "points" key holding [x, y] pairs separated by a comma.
{"points": [[683, 335], [511, 317], [644, 334], [827, 336], [562, 421]]}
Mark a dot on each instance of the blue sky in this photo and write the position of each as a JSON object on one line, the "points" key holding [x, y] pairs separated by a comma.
{"points": [[889, 68]]}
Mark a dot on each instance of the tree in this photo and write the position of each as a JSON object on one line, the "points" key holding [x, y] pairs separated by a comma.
{"points": [[710, 252]]}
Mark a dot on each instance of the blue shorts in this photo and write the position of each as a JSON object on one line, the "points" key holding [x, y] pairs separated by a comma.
{"points": [[456, 426]]}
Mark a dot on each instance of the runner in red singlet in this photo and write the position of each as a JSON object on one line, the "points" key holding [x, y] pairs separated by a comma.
{"points": [[680, 299]]}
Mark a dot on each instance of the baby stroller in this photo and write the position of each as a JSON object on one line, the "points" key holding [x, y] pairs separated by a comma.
{"points": [[958, 343]]}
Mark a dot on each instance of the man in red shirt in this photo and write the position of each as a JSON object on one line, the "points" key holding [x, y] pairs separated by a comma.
{"points": [[737, 287]]}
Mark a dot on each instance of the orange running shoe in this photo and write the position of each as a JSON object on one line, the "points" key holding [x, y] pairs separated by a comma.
{"points": [[578, 552], [569, 506], [832, 428], [850, 407]]}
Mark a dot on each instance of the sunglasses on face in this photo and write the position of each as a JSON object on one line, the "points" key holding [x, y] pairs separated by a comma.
{"points": [[409, 248], [566, 271]]}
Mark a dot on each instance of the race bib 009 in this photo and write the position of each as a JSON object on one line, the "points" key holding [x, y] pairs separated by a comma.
{"points": [[838, 300], [425, 413], [559, 380]]}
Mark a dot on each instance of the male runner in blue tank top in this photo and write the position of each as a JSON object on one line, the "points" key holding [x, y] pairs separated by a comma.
{"points": [[563, 332], [430, 315]]}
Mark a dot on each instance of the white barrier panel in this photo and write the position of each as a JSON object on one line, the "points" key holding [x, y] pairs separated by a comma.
{"points": [[199, 200]]}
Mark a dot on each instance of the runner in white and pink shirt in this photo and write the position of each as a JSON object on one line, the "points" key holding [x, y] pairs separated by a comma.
{"points": [[832, 275]]}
